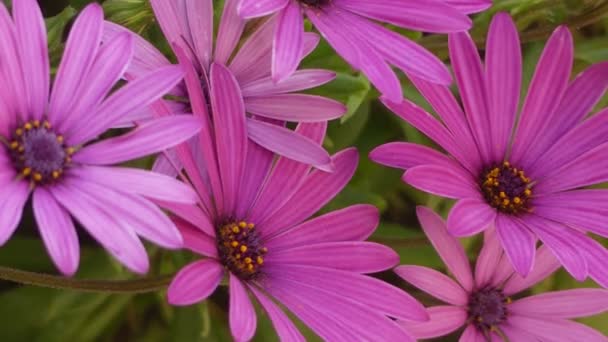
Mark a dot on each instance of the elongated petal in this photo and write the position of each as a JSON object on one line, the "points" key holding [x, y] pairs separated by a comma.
{"points": [[469, 6], [447, 180], [259, 162], [448, 247], [12, 73], [257, 8], [295, 107], [242, 316], [488, 259], [299, 80], [444, 320], [230, 131], [548, 85], [230, 30], [288, 44], [254, 58], [404, 155], [195, 282], [135, 181], [287, 143], [57, 231], [373, 293], [200, 22], [563, 304], [359, 257], [355, 223], [545, 264], [151, 137], [434, 283], [195, 238], [470, 216], [33, 50], [103, 221], [547, 330], [135, 95], [503, 77], [283, 325], [12, 202], [318, 188], [518, 242], [471, 334], [422, 15]]}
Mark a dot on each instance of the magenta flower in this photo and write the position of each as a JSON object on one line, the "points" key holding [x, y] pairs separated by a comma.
{"points": [[529, 186], [483, 302], [251, 224], [363, 43], [44, 151], [188, 26]]}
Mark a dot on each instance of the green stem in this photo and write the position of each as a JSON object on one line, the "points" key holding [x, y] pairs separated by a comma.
{"points": [[134, 286]]}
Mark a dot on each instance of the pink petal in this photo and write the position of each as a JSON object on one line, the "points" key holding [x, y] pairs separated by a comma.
{"points": [[12, 202], [503, 78], [488, 259], [544, 265], [195, 239], [563, 304], [57, 231], [470, 216], [230, 132], [283, 325], [313, 193], [32, 44], [258, 8], [596, 255], [254, 58], [448, 247], [469, 6], [448, 180], [288, 44], [405, 155], [299, 80], [444, 320], [548, 329], [259, 163], [518, 242], [354, 223], [12, 73], [80, 51], [192, 214], [545, 92], [230, 31], [287, 143], [295, 107], [200, 22], [149, 138], [359, 257], [242, 317], [195, 282], [471, 334], [434, 283]]}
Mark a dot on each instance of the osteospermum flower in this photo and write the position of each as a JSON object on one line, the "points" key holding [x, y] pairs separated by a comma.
{"points": [[188, 26], [252, 225], [44, 150], [363, 43], [487, 302], [530, 186]]}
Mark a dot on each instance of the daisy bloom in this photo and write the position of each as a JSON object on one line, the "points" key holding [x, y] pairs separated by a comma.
{"points": [[252, 224], [349, 27], [44, 141], [529, 186], [188, 26], [487, 302]]}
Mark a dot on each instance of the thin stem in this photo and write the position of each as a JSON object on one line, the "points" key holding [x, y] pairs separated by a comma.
{"points": [[134, 286]]}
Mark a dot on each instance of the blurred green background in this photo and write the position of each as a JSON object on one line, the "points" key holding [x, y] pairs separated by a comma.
{"points": [[37, 314]]}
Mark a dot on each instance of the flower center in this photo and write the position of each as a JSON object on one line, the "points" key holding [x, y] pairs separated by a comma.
{"points": [[507, 189], [38, 153], [240, 249], [488, 308], [314, 3]]}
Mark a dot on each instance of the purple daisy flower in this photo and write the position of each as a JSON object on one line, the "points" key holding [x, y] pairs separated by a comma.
{"points": [[530, 186], [44, 151], [484, 302], [188, 26], [252, 224], [364, 44]]}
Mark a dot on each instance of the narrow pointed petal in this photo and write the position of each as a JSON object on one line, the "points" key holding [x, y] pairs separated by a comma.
{"points": [[518, 242], [469, 6], [195, 282], [149, 138], [545, 264], [488, 259], [283, 325], [230, 31], [471, 334], [295, 107], [200, 22], [547, 330], [243, 319], [447, 180], [11, 69], [195, 238], [448, 247], [258, 8], [57, 231], [434, 283], [288, 44], [405, 155], [287, 143], [259, 163], [299, 80], [32, 44], [563, 304], [444, 320], [470, 216], [12, 202]]}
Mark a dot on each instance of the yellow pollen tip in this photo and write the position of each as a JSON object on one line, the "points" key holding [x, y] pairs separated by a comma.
{"points": [[238, 256], [243, 224], [27, 171], [60, 139], [250, 225], [70, 150], [14, 145], [47, 125], [18, 132], [235, 229], [506, 202], [37, 177], [21, 148], [517, 200], [243, 249], [502, 194], [28, 126], [234, 244], [250, 267], [528, 192], [36, 123], [508, 300], [260, 260], [56, 174], [264, 250], [248, 260]]}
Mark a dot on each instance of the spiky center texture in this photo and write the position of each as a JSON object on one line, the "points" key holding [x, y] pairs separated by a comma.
{"points": [[314, 3], [506, 188], [240, 249], [488, 308], [39, 154]]}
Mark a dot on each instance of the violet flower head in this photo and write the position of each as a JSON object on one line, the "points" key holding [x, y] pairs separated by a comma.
{"points": [[252, 224], [188, 27], [487, 302], [349, 27], [529, 186], [44, 135]]}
